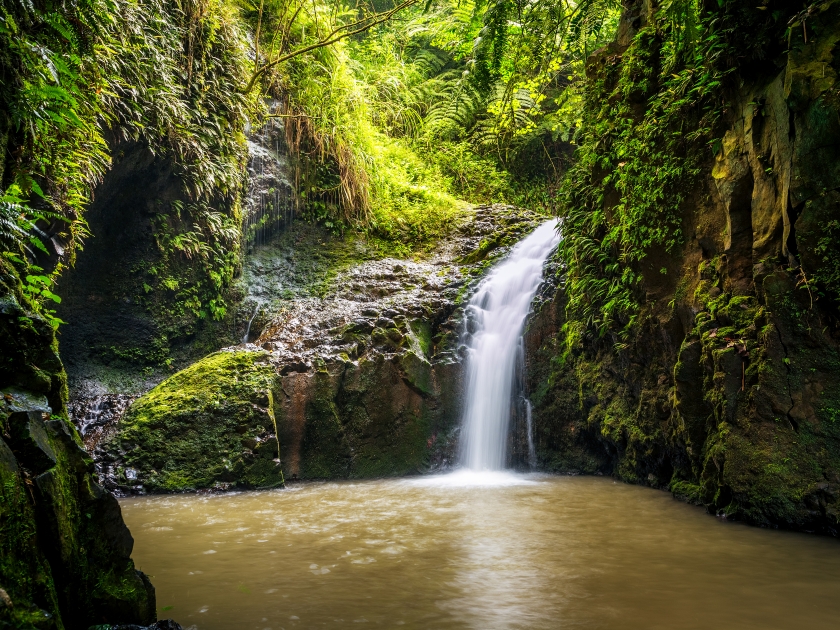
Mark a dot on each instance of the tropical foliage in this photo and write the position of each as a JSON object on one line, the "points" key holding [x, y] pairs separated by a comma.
{"points": [[651, 121], [396, 113], [78, 77], [392, 127]]}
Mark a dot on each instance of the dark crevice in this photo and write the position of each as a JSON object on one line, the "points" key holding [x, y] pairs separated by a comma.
{"points": [[793, 423], [793, 214]]}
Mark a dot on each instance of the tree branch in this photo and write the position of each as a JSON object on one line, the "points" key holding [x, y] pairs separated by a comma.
{"points": [[336, 35]]}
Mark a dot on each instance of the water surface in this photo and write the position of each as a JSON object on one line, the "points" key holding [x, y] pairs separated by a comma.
{"points": [[465, 551]]}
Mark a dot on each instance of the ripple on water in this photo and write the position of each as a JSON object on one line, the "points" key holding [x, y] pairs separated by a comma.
{"points": [[472, 550]]}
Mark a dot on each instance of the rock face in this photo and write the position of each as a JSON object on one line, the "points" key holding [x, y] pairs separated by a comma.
{"points": [[356, 377], [65, 552], [729, 395], [123, 301]]}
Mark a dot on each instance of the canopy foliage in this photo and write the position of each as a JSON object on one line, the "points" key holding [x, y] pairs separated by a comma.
{"points": [[397, 114]]}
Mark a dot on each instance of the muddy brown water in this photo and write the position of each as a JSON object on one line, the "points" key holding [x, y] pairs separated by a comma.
{"points": [[455, 552]]}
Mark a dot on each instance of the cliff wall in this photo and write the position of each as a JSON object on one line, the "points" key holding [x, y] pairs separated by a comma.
{"points": [[720, 380], [65, 553]]}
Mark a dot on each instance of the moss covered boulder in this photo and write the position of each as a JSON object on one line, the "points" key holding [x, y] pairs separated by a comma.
{"points": [[210, 425], [244, 418]]}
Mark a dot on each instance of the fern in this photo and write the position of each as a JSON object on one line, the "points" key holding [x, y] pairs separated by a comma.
{"points": [[12, 235]]}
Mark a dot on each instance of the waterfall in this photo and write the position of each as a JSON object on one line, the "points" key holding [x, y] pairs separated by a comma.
{"points": [[250, 321], [269, 204], [532, 451], [495, 318]]}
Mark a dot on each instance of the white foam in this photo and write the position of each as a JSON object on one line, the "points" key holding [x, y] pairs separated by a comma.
{"points": [[468, 478]]}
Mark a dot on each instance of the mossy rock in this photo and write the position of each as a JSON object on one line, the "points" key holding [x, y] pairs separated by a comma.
{"points": [[359, 420], [208, 425], [65, 552]]}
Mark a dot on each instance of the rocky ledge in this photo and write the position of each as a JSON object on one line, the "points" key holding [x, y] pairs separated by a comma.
{"points": [[65, 552], [361, 381]]}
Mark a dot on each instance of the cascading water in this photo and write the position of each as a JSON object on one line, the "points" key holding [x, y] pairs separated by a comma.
{"points": [[496, 316], [532, 451], [250, 321]]}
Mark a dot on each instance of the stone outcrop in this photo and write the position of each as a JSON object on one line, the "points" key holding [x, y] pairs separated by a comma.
{"points": [[65, 552], [361, 381]]}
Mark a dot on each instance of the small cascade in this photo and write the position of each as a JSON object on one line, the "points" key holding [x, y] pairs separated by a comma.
{"points": [[529, 424], [97, 416], [250, 321], [270, 203], [495, 318]]}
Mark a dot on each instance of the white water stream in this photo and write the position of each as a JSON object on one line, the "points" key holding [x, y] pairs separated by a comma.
{"points": [[496, 316]]}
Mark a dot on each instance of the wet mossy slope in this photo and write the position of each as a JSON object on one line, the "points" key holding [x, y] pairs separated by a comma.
{"points": [[355, 376], [711, 367]]}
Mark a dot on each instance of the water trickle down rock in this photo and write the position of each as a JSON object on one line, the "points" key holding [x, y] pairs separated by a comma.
{"points": [[270, 203]]}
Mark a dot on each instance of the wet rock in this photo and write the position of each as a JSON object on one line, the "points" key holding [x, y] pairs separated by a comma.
{"points": [[64, 525], [96, 416], [395, 335], [29, 440], [384, 322], [353, 381], [361, 326], [181, 435]]}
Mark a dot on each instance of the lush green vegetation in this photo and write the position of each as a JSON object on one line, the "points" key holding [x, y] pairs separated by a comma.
{"points": [[77, 78], [652, 121], [647, 162], [445, 102], [397, 115]]}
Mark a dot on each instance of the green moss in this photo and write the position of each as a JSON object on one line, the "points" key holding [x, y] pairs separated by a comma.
{"points": [[303, 261], [421, 333], [418, 372], [687, 491], [24, 571], [193, 430]]}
